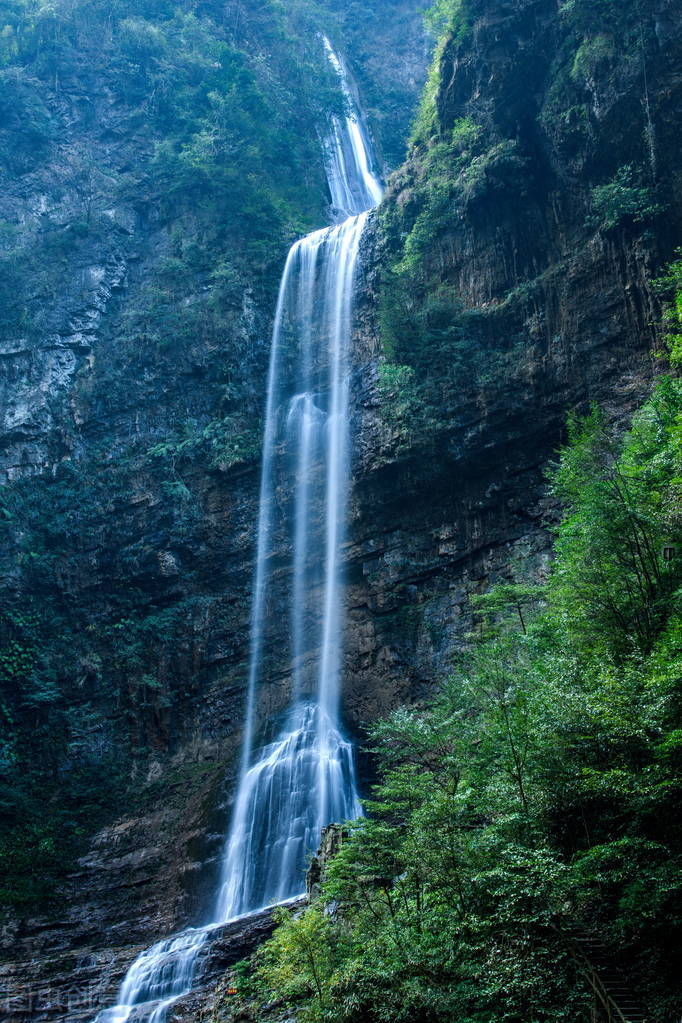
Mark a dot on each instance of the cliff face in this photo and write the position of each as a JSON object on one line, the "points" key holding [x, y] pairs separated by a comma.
{"points": [[511, 282], [131, 426]]}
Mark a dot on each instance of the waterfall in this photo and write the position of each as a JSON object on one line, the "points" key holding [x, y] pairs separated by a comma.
{"points": [[353, 185], [305, 778], [290, 789]]}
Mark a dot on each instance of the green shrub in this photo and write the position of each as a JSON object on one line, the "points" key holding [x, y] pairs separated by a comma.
{"points": [[623, 200], [594, 15], [670, 286], [594, 54]]}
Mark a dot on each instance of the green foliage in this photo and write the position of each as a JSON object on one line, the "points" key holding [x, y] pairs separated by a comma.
{"points": [[612, 580], [85, 689], [453, 167], [55, 785], [505, 602], [446, 17], [607, 48], [594, 54], [458, 170], [447, 21], [400, 405], [425, 124], [594, 15], [416, 309], [422, 322], [228, 154], [670, 285], [537, 793], [224, 443], [299, 961], [442, 193], [623, 200]]}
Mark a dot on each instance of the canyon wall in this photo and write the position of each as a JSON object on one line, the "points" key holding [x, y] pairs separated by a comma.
{"points": [[130, 437]]}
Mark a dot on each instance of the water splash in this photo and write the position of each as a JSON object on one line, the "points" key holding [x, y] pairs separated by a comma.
{"points": [[289, 790], [304, 777]]}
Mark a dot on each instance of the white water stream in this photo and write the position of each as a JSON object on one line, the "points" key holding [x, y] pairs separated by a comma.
{"points": [[289, 790]]}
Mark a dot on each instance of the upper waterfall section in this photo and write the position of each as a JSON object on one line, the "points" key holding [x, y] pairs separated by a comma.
{"points": [[353, 183]]}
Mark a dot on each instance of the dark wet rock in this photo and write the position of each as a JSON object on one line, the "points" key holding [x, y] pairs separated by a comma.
{"points": [[330, 842]]}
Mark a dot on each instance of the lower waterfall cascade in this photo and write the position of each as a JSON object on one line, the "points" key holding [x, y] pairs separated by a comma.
{"points": [[304, 778]]}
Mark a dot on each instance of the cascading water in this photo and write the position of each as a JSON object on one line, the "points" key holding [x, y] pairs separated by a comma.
{"points": [[289, 790], [305, 778], [353, 185]]}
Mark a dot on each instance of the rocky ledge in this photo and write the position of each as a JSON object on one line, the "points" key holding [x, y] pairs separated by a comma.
{"points": [[58, 1003]]}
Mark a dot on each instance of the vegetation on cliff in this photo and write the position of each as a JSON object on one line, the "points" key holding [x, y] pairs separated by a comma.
{"points": [[209, 116], [524, 111]]}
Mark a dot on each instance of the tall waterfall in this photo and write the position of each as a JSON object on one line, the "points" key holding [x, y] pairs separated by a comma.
{"points": [[290, 789]]}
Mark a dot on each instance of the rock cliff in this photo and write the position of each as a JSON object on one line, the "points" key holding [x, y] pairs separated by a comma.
{"points": [[518, 298]]}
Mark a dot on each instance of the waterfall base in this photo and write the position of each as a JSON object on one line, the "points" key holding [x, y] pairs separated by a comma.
{"points": [[220, 947], [300, 782]]}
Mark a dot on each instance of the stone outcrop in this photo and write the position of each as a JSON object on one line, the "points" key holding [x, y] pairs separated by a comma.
{"points": [[90, 980], [330, 843]]}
